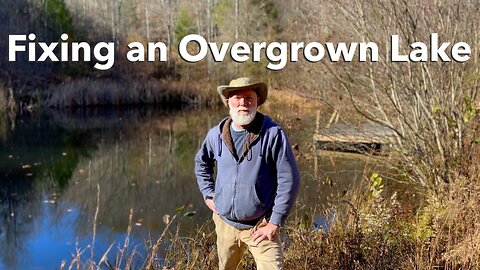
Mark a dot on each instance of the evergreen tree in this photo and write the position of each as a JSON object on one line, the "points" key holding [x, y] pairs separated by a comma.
{"points": [[59, 17]]}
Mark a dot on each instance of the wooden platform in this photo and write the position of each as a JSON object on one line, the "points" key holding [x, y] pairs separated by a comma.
{"points": [[367, 137]]}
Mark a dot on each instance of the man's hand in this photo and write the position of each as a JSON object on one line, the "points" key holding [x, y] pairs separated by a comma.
{"points": [[268, 231], [211, 205]]}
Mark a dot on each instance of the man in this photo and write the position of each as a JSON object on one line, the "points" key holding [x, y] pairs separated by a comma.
{"points": [[257, 178]]}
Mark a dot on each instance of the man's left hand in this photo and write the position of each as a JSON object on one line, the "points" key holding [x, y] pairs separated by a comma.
{"points": [[268, 231]]}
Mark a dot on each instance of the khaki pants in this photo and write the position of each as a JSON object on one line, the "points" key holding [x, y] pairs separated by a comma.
{"points": [[232, 242]]}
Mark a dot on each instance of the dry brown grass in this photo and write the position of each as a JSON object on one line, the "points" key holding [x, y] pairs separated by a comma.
{"points": [[94, 91], [107, 92], [454, 241]]}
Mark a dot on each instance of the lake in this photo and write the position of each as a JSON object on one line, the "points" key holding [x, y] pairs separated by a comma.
{"points": [[61, 171]]}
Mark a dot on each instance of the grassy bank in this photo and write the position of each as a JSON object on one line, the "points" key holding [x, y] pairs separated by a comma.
{"points": [[110, 92], [114, 92]]}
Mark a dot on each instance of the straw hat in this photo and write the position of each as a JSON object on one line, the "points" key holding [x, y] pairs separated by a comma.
{"points": [[243, 83]]}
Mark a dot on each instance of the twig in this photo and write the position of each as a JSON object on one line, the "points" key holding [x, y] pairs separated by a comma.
{"points": [[95, 222]]}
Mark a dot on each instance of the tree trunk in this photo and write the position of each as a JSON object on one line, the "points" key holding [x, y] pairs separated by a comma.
{"points": [[147, 24], [209, 37]]}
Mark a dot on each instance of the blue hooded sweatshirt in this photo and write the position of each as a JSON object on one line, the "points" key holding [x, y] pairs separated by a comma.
{"points": [[261, 181]]}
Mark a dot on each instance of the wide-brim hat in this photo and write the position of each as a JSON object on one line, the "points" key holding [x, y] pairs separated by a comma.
{"points": [[243, 83]]}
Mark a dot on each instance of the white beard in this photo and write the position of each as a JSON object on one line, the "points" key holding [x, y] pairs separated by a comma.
{"points": [[242, 119]]}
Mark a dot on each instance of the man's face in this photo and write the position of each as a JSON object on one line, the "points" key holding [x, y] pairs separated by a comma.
{"points": [[243, 106]]}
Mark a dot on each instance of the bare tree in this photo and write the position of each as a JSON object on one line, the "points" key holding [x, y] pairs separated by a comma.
{"points": [[427, 104]]}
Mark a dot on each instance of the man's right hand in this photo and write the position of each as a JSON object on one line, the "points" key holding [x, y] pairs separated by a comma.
{"points": [[211, 205]]}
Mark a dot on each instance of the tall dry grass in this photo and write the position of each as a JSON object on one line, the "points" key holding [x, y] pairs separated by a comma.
{"points": [[108, 92], [451, 223], [349, 244]]}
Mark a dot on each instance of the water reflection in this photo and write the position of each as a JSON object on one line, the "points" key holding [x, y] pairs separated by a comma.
{"points": [[53, 164], [3, 126]]}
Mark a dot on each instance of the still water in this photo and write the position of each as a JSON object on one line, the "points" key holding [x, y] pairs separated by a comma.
{"points": [[63, 171]]}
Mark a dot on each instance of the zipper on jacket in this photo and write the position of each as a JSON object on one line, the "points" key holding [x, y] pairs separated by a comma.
{"points": [[219, 147], [234, 191]]}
